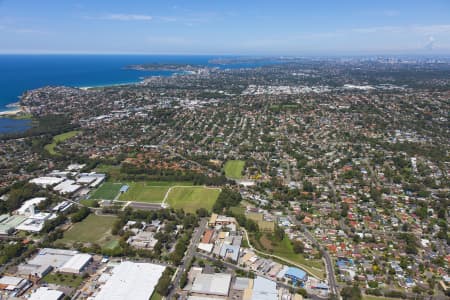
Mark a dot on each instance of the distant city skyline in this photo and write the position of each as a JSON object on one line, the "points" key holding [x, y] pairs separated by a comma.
{"points": [[262, 27]]}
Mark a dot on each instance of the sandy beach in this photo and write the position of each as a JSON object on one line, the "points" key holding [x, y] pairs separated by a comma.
{"points": [[11, 112]]}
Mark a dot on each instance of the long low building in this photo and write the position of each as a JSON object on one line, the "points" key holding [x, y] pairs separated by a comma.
{"points": [[212, 284], [76, 264], [44, 293], [131, 281], [48, 259]]}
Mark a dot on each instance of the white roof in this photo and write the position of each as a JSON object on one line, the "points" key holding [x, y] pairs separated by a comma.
{"points": [[52, 257], [44, 293], [27, 204], [205, 247], [45, 181], [212, 284], [131, 281], [76, 263], [264, 289], [67, 187], [86, 179], [9, 280], [74, 167]]}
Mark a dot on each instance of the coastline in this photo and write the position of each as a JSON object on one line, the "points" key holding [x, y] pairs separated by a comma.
{"points": [[13, 110]]}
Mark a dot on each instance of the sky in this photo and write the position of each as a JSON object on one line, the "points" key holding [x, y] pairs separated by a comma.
{"points": [[247, 27]]}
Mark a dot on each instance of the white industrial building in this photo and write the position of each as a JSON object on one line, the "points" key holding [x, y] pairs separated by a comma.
{"points": [[28, 207], [212, 284], [14, 285], [49, 258], [47, 181], [35, 223], [62, 206], [44, 293], [67, 187], [131, 281], [76, 263], [264, 289]]}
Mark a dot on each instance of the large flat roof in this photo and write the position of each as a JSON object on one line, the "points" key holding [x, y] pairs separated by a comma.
{"points": [[212, 284], [76, 263], [264, 289], [131, 281], [44, 293], [295, 272], [52, 257], [8, 222]]}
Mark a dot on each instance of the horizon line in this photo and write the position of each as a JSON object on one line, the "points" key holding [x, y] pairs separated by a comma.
{"points": [[256, 55]]}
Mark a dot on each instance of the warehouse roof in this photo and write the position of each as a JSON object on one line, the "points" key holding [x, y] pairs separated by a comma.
{"points": [[26, 206], [212, 284], [44, 293], [296, 273], [45, 181], [131, 281], [76, 263], [67, 187], [264, 289], [9, 223]]}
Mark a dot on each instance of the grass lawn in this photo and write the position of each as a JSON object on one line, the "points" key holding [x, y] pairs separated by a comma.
{"points": [[107, 191], [89, 202], [234, 168], [285, 250], [192, 198], [155, 296], [69, 280], [58, 139], [169, 183], [238, 210], [93, 229], [150, 191], [142, 192], [112, 171]]}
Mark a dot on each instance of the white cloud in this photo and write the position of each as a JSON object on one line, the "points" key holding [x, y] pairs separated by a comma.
{"points": [[126, 17], [391, 13], [432, 29]]}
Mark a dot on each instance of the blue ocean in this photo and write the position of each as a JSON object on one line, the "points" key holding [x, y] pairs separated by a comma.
{"points": [[19, 73]]}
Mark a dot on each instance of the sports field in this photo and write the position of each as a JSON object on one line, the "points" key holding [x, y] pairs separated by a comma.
{"points": [[233, 169], [149, 191], [141, 192], [107, 191], [58, 139], [93, 229], [192, 198]]}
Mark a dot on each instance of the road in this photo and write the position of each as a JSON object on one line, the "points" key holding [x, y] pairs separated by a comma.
{"points": [[192, 249], [329, 266]]}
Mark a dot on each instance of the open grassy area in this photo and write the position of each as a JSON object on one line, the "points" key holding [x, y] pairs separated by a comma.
{"points": [[58, 139], [169, 183], [93, 229], [192, 198], [107, 191], [89, 202], [142, 192], [113, 172], [155, 296], [150, 191], [70, 280], [284, 249], [233, 168]]}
